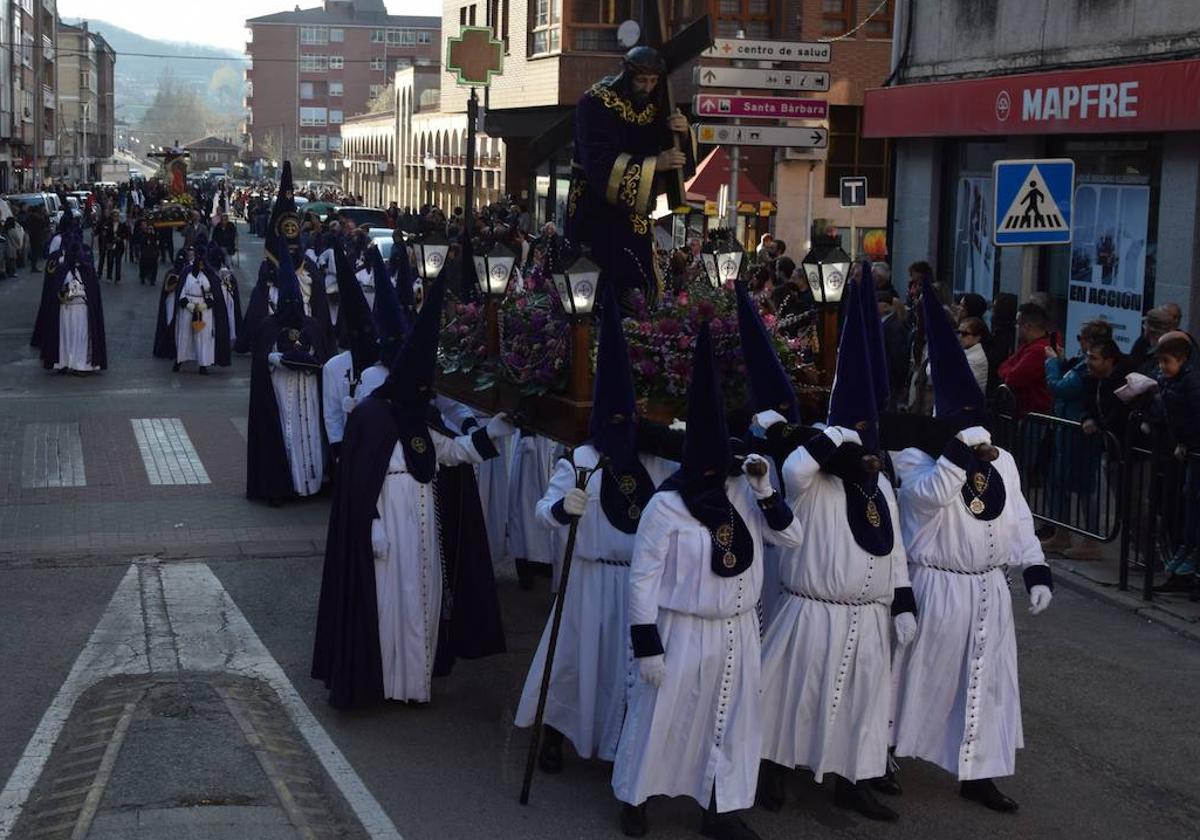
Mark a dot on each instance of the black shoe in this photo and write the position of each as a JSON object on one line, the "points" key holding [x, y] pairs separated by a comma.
{"points": [[772, 793], [726, 827], [550, 757], [857, 796], [985, 793], [204, 371], [524, 574], [175, 367], [888, 784], [633, 820], [1175, 583]]}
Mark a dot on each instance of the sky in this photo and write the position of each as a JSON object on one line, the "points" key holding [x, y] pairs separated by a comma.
{"points": [[219, 23]]}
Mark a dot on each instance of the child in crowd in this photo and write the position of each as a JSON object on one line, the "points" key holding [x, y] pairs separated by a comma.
{"points": [[1179, 388]]}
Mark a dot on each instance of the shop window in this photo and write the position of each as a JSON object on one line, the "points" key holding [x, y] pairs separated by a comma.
{"points": [[835, 16], [852, 154]]}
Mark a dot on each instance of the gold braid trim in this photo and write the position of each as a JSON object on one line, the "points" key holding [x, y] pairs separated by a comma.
{"points": [[574, 195], [613, 101], [640, 223], [631, 185], [616, 177], [645, 193]]}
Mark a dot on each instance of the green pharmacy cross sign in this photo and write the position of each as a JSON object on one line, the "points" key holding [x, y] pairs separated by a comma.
{"points": [[475, 55]]}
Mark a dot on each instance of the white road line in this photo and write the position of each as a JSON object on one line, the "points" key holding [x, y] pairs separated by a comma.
{"points": [[178, 616], [52, 456], [167, 452], [242, 424]]}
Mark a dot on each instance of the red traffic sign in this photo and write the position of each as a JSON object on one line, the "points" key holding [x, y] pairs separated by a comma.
{"points": [[774, 107]]}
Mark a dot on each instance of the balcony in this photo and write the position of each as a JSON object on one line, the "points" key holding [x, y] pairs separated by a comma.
{"points": [[48, 98], [47, 48]]}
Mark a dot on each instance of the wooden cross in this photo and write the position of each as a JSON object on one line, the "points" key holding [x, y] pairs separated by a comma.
{"points": [[676, 51]]}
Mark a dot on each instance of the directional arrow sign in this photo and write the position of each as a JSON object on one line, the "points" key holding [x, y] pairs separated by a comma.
{"points": [[776, 107], [764, 135], [732, 77], [770, 50]]}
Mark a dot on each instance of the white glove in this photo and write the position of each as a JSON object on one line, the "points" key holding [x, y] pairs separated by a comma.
{"points": [[499, 426], [974, 436], [191, 307], [379, 540], [273, 359], [652, 669], [766, 419], [201, 306], [348, 404], [1039, 598], [575, 502], [760, 484], [840, 435], [906, 628]]}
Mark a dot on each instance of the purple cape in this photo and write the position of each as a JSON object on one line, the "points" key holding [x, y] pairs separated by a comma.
{"points": [[46, 330]]}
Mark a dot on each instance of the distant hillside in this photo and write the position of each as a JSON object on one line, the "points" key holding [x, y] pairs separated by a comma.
{"points": [[218, 82]]}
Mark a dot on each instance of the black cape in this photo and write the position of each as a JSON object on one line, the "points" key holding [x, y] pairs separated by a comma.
{"points": [[46, 329], [257, 309], [268, 475]]}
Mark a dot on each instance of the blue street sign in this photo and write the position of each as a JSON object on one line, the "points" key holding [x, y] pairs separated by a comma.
{"points": [[1032, 201]]}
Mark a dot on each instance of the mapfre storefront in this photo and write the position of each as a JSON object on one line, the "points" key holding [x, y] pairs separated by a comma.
{"points": [[1134, 134]]}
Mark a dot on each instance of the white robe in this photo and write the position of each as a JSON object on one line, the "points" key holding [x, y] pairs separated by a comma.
{"points": [[229, 282], [336, 376], [593, 663], [827, 666], [328, 268], [74, 335], [408, 570], [531, 465], [192, 345], [703, 726], [296, 394], [958, 703], [366, 279]]}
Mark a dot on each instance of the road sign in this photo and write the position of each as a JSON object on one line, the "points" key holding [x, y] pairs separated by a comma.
{"points": [[475, 56], [811, 51], [764, 135], [775, 107], [735, 77], [766, 208], [1033, 201], [853, 191], [710, 207]]}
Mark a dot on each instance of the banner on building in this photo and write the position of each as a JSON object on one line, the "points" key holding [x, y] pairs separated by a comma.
{"points": [[974, 253], [1108, 261]]}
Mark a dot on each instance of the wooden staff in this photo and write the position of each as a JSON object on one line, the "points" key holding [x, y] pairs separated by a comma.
{"points": [[582, 476]]}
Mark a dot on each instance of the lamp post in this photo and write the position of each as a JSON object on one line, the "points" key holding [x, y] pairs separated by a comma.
{"points": [[492, 271], [722, 260], [430, 167], [827, 268], [576, 286]]}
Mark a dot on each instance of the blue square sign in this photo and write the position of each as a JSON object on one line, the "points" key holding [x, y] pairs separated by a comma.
{"points": [[1033, 201]]}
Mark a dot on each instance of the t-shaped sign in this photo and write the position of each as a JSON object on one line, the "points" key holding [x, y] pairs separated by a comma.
{"points": [[854, 191]]}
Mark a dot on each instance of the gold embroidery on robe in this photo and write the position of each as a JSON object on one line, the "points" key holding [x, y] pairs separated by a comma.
{"points": [[645, 193], [640, 223], [624, 108], [616, 175]]}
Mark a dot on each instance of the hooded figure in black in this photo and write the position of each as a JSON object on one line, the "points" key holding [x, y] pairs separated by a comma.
{"points": [[383, 554], [285, 399], [216, 260], [283, 233], [845, 593], [957, 701], [693, 726], [71, 316], [588, 695]]}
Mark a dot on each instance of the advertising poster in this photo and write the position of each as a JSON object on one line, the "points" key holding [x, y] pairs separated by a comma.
{"points": [[974, 253], [1108, 260]]}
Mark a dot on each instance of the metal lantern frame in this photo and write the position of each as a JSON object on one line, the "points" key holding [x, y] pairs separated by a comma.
{"points": [[577, 286], [827, 269], [493, 271], [722, 259], [431, 249]]}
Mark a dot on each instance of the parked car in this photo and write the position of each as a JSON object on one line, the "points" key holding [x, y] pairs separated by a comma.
{"points": [[364, 217], [46, 201]]}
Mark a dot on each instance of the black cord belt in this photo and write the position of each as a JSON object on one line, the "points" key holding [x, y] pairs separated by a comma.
{"points": [[840, 603], [986, 571], [609, 562]]}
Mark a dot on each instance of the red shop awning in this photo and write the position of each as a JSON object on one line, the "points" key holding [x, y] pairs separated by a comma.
{"points": [[712, 172]]}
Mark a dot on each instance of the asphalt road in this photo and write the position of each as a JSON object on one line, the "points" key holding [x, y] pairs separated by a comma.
{"points": [[1109, 699]]}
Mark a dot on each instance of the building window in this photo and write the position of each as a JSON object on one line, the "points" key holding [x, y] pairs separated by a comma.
{"points": [[307, 90], [402, 37], [335, 116], [335, 144], [424, 37], [335, 88], [336, 62], [377, 36], [312, 116], [310, 63], [378, 63], [880, 25], [546, 27], [337, 35], [852, 154], [373, 91], [311, 143], [753, 17], [314, 34], [835, 16]]}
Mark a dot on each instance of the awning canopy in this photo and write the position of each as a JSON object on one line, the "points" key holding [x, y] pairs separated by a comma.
{"points": [[712, 173]]}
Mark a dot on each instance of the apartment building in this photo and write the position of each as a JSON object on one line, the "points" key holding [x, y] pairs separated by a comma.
{"points": [[312, 68], [85, 127], [33, 142]]}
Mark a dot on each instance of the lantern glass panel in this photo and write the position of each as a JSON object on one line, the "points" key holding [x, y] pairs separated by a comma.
{"points": [[709, 260], [730, 264], [834, 278], [564, 293], [582, 277], [499, 267]]}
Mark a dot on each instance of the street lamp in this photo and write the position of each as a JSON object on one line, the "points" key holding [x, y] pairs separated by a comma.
{"points": [[308, 163], [431, 249], [827, 267], [722, 260], [320, 166], [430, 167], [576, 285]]}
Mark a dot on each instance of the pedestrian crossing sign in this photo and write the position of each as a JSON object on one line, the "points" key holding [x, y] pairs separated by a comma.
{"points": [[1033, 201]]}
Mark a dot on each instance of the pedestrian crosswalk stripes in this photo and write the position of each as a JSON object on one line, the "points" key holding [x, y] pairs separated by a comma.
{"points": [[167, 452], [52, 456]]}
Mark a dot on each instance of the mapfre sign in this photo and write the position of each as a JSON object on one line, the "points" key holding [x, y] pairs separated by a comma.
{"points": [[1139, 97]]}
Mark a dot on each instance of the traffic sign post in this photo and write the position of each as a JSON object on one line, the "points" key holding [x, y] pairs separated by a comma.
{"points": [[817, 52], [763, 135], [475, 56], [853, 192], [1032, 207], [736, 77], [768, 107]]}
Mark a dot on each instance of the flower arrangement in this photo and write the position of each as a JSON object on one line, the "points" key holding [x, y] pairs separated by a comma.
{"points": [[463, 344], [534, 344]]}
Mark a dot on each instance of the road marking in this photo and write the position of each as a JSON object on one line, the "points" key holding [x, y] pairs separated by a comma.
{"points": [[167, 452], [52, 456], [164, 617], [242, 424]]}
